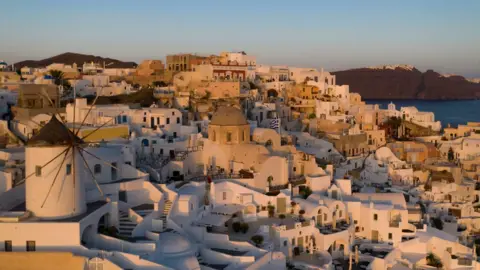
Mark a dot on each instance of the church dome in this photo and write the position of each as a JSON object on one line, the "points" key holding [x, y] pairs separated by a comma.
{"points": [[54, 133], [228, 116]]}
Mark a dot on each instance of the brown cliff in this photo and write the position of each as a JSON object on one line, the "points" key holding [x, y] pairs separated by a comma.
{"points": [[406, 83]]}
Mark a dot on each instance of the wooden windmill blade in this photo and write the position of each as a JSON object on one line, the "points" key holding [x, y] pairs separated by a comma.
{"points": [[86, 116], [55, 179], [95, 156], [104, 124], [91, 173]]}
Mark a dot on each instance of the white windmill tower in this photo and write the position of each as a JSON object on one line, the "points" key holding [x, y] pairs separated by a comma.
{"points": [[46, 197], [57, 153]]}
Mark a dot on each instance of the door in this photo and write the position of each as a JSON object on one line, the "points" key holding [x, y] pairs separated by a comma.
{"points": [[374, 236], [122, 195], [152, 122], [281, 205], [114, 171]]}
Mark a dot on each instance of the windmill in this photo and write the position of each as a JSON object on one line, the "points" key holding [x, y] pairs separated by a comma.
{"points": [[54, 157]]}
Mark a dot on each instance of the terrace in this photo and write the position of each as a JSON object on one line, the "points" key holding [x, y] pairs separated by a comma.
{"points": [[328, 228]]}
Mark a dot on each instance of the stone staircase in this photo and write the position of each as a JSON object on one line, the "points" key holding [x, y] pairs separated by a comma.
{"points": [[166, 211], [126, 226]]}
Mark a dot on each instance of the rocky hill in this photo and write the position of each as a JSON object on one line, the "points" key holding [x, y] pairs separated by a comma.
{"points": [[69, 58], [406, 82]]}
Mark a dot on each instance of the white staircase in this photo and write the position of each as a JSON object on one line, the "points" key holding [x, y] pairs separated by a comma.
{"points": [[126, 226]]}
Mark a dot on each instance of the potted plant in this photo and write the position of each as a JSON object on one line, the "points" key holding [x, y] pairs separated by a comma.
{"points": [[301, 212]]}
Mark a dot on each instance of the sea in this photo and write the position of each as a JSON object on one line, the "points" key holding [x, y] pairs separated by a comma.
{"points": [[451, 112]]}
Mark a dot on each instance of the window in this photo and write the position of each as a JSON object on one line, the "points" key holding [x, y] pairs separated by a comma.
{"points": [[97, 169], [158, 120], [229, 136], [144, 119], [178, 120], [38, 170], [168, 120], [293, 241], [30, 245], [173, 113], [154, 141], [124, 118], [128, 163], [8, 246], [340, 213], [285, 243], [69, 169], [224, 195], [375, 217], [390, 236]]}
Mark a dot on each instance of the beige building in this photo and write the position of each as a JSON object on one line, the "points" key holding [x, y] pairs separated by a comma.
{"points": [[34, 99], [184, 62], [375, 138], [413, 152], [351, 145], [306, 91], [150, 67], [461, 131], [219, 89]]}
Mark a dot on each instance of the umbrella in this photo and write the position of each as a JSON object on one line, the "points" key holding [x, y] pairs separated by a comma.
{"points": [[350, 261], [356, 255]]}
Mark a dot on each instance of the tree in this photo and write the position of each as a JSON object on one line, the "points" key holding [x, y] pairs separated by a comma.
{"points": [[159, 84], [312, 116], [305, 192], [282, 217], [270, 180], [437, 223], [237, 226], [301, 212], [57, 76], [433, 260], [257, 239], [244, 227]]}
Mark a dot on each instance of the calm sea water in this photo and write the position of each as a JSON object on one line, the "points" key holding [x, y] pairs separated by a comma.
{"points": [[452, 112]]}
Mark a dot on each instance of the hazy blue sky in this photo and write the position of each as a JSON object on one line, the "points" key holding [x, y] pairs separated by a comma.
{"points": [[442, 35]]}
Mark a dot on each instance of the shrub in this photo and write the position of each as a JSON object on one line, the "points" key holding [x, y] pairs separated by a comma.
{"points": [[257, 239], [244, 227], [237, 226], [437, 223]]}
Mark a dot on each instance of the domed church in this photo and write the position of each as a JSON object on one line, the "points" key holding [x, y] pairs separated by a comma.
{"points": [[229, 126]]}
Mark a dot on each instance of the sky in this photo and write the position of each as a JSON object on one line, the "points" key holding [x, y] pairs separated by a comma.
{"points": [[440, 35]]}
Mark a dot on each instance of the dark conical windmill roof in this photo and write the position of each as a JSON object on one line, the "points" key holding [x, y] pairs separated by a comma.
{"points": [[52, 134]]}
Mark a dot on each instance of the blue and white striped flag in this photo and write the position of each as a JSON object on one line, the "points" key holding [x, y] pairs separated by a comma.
{"points": [[275, 123]]}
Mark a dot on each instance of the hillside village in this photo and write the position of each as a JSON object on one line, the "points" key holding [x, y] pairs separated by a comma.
{"points": [[220, 162]]}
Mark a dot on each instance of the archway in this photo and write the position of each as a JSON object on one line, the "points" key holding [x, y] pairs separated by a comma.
{"points": [[338, 248], [272, 93], [87, 236], [104, 223]]}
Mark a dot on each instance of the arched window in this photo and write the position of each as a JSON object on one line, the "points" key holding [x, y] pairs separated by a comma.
{"points": [[97, 169]]}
